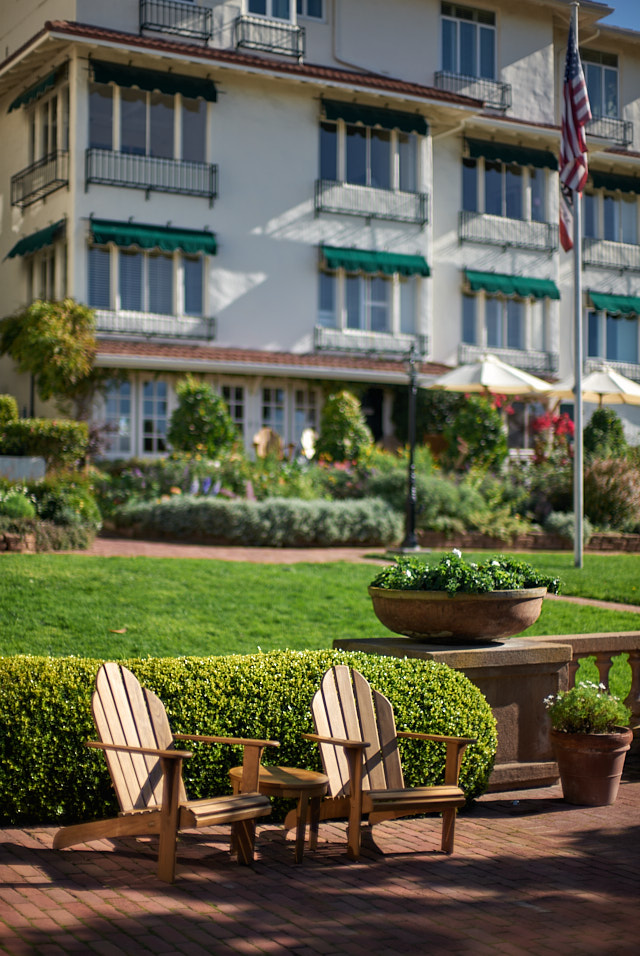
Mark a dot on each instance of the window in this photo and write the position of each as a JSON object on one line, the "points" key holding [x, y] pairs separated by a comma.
{"points": [[310, 8], [118, 417], [234, 397], [305, 410], [154, 416], [371, 303], [368, 156], [504, 323], [273, 409], [519, 423], [495, 322], [504, 189], [194, 130], [41, 275], [612, 337], [192, 285], [100, 116], [610, 216], [49, 125], [468, 41], [279, 9], [155, 282], [99, 278], [601, 75]]}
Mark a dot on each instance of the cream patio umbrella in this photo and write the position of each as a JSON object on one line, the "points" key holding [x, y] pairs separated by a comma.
{"points": [[491, 375], [603, 386]]}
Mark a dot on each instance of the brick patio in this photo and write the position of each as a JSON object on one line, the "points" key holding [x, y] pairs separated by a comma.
{"points": [[530, 875]]}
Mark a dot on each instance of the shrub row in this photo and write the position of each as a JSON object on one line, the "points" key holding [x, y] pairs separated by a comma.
{"points": [[62, 442], [48, 776], [50, 536], [276, 522]]}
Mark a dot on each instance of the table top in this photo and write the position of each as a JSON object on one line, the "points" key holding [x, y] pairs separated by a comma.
{"points": [[278, 780]]}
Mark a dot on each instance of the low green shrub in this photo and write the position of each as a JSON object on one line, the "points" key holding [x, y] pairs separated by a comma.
{"points": [[563, 523], [8, 409], [15, 504], [604, 435], [47, 775], [49, 536], [612, 493], [344, 434], [276, 522], [66, 499], [61, 443]]}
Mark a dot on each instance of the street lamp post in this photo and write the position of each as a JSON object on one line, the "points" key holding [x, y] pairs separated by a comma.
{"points": [[410, 542]]}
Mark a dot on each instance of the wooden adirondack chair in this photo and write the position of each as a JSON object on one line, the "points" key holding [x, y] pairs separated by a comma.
{"points": [[146, 772], [359, 748]]}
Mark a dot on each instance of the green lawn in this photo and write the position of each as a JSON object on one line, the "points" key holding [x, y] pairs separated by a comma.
{"points": [[128, 607]]}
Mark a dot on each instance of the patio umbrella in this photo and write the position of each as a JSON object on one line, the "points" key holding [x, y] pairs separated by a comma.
{"points": [[603, 386], [491, 375]]}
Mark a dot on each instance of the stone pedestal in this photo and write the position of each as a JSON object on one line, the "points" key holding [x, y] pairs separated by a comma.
{"points": [[515, 676]]}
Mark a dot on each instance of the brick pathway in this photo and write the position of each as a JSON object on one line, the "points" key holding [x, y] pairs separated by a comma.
{"points": [[530, 875]]}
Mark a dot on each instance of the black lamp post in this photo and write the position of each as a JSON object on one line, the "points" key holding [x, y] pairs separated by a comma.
{"points": [[410, 542]]}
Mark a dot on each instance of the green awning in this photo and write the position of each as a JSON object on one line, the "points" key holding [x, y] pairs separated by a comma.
{"points": [[506, 153], [373, 116], [612, 181], [37, 240], [363, 260], [170, 83], [616, 304], [522, 286], [127, 234], [38, 89]]}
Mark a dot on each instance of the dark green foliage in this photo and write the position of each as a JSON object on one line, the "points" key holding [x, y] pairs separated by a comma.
{"points": [[201, 421], [8, 409], [456, 575], [604, 435], [48, 776], [344, 434], [435, 411], [587, 708], [15, 504], [66, 500], [275, 522], [475, 436], [442, 503], [612, 493], [60, 442]]}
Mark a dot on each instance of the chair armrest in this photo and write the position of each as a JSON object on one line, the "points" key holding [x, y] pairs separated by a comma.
{"points": [[337, 742], [149, 751], [456, 747], [440, 738], [233, 741]]}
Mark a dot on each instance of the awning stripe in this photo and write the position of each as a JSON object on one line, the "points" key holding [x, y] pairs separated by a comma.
{"points": [[365, 260], [615, 304], [127, 234], [38, 89], [508, 153], [38, 240], [374, 116], [169, 83], [522, 286]]}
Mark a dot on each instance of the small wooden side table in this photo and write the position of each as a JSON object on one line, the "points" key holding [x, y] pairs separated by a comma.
{"points": [[305, 786]]}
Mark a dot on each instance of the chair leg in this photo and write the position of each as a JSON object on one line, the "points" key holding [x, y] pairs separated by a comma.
{"points": [[169, 820], [314, 822], [448, 830], [301, 826], [243, 836]]}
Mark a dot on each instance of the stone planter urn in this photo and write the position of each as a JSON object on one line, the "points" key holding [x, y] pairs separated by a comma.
{"points": [[436, 617], [591, 765]]}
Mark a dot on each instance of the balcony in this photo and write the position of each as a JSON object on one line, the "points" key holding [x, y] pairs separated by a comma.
{"points": [[151, 173], [179, 19], [40, 179], [493, 93], [530, 360], [629, 369], [370, 203], [618, 131], [269, 36], [152, 325], [605, 254], [509, 233], [378, 343]]}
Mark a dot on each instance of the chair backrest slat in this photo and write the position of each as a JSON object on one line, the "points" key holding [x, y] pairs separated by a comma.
{"points": [[373, 777], [388, 742], [329, 722]]}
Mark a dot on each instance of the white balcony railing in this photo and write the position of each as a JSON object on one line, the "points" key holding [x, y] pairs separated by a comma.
{"points": [[351, 200], [605, 254], [379, 343], [151, 324]]}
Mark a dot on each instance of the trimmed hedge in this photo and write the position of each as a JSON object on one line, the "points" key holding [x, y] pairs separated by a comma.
{"points": [[275, 522], [48, 776], [61, 442], [50, 536]]}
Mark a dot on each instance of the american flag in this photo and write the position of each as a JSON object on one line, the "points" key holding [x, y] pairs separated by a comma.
{"points": [[573, 144]]}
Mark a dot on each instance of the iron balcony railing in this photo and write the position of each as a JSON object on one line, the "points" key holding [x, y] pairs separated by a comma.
{"points": [[40, 179], [180, 19], [269, 36], [371, 203], [493, 93], [531, 360], [618, 131], [511, 233], [151, 324], [151, 173], [605, 254], [379, 343], [629, 369]]}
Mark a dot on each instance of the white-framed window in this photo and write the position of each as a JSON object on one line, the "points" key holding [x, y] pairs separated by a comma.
{"points": [[276, 9], [313, 9], [601, 75], [234, 396], [43, 281], [497, 322], [519, 421], [155, 416], [48, 125], [612, 337], [150, 124], [371, 303], [368, 156], [305, 410], [133, 280], [611, 216], [273, 409], [468, 41], [504, 189], [118, 416]]}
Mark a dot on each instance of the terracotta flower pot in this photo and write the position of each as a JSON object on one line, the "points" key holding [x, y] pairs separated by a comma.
{"points": [[591, 765], [435, 617]]}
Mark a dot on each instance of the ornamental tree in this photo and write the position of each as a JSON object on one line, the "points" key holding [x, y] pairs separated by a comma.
{"points": [[344, 434], [201, 421]]}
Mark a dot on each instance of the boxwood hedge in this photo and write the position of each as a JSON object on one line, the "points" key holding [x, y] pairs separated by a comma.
{"points": [[48, 776]]}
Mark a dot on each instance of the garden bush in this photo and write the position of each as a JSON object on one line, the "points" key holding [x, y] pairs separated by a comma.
{"points": [[201, 421], [15, 504], [604, 435], [344, 434], [563, 523], [47, 775], [60, 442], [275, 522], [66, 499], [8, 409], [49, 536], [612, 493], [475, 436]]}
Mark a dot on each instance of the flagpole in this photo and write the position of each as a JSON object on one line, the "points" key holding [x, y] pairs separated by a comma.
{"points": [[578, 448]]}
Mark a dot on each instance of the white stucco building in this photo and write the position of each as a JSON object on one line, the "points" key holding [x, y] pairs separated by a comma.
{"points": [[283, 195]]}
